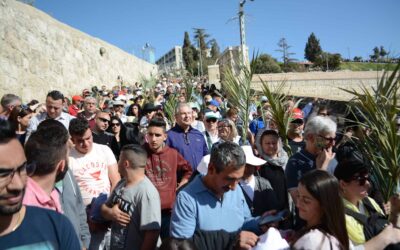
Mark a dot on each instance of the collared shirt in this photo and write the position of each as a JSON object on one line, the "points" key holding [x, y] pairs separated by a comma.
{"points": [[64, 118], [197, 208], [299, 164], [191, 145], [36, 196]]}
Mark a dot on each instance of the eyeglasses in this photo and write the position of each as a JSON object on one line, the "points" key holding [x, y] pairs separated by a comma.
{"points": [[213, 120], [330, 139], [223, 126], [297, 122], [362, 179], [103, 119], [118, 106], [115, 125], [6, 175]]}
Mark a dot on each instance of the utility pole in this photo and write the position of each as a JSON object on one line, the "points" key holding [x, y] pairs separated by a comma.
{"points": [[201, 61], [242, 31]]}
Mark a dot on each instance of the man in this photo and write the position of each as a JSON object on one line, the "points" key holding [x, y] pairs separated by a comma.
{"points": [[8, 103], [99, 133], [47, 148], [48, 151], [164, 166], [89, 111], [75, 107], [189, 142], [118, 108], [95, 169], [295, 131], [213, 202], [320, 135], [134, 206], [54, 106], [26, 227], [211, 133]]}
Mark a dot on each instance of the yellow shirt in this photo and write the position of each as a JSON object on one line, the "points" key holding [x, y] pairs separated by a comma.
{"points": [[355, 229]]}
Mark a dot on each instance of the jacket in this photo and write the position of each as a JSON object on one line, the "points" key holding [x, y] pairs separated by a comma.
{"points": [[165, 169]]}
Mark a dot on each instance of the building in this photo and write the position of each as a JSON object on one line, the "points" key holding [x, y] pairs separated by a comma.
{"points": [[231, 59], [171, 61]]}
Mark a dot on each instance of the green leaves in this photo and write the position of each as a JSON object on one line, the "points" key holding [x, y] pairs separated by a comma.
{"points": [[378, 109]]}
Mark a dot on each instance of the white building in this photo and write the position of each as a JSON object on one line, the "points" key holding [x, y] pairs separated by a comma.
{"points": [[171, 61]]}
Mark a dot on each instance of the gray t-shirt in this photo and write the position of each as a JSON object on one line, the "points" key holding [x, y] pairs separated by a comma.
{"points": [[142, 203]]}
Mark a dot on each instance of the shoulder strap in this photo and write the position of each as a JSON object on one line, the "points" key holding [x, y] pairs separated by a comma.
{"points": [[368, 206], [359, 217]]}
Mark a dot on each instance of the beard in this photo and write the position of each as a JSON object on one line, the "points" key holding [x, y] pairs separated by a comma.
{"points": [[10, 210], [60, 175]]}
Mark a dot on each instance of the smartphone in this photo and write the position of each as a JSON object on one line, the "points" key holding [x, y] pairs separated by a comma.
{"points": [[272, 218], [320, 143]]}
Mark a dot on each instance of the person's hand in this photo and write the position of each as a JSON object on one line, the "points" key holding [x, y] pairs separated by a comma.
{"points": [[390, 235], [324, 157], [120, 216], [246, 240], [264, 228]]}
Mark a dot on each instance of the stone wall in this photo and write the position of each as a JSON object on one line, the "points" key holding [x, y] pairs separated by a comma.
{"points": [[38, 54], [319, 84]]}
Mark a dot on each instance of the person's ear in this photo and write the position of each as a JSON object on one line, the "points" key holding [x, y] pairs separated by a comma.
{"points": [[211, 168], [60, 166]]}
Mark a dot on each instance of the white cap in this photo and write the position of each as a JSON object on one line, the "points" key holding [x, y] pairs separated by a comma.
{"points": [[251, 159]]}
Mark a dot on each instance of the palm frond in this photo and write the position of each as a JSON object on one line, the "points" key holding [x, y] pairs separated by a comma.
{"points": [[280, 114], [378, 108], [238, 89]]}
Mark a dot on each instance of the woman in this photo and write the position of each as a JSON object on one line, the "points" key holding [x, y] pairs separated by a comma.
{"points": [[115, 129], [269, 146], [227, 132], [134, 113], [19, 118], [353, 175], [321, 206]]}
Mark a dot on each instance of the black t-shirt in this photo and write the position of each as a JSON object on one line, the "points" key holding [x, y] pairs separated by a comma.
{"points": [[296, 146], [103, 138], [42, 229]]}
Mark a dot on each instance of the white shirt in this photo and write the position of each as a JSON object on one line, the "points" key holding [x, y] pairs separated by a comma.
{"points": [[91, 171]]}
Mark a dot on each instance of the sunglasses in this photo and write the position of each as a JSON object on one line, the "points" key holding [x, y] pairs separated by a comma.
{"points": [[213, 120], [362, 179], [115, 125], [103, 119]]}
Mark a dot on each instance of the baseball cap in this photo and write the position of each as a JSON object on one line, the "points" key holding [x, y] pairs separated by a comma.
{"points": [[297, 114], [118, 102], [251, 159], [264, 98], [77, 98], [214, 103], [212, 114]]}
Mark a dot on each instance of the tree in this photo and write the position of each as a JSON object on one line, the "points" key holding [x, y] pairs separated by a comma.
{"points": [[200, 36], [264, 63], [284, 49], [327, 61], [188, 54], [313, 49], [382, 53], [375, 55], [357, 59], [215, 52]]}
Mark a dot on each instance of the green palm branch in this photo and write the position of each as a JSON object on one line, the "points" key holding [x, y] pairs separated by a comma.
{"points": [[280, 114], [238, 89], [379, 108]]}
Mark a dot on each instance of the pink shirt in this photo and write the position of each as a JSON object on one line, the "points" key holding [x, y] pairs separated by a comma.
{"points": [[36, 196]]}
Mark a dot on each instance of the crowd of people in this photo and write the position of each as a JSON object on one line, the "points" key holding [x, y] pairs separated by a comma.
{"points": [[112, 169]]}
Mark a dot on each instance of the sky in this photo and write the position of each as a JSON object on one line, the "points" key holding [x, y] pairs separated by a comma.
{"points": [[349, 27]]}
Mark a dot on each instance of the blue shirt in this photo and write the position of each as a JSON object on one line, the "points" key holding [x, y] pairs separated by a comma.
{"points": [[299, 164], [191, 145], [256, 125], [197, 208], [42, 229]]}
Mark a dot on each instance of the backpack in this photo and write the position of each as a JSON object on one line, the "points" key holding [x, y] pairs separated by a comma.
{"points": [[374, 224]]}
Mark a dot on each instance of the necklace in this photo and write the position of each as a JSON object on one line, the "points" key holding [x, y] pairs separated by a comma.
{"points": [[18, 221]]}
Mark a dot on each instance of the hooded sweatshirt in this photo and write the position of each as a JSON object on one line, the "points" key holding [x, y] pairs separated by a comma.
{"points": [[164, 169]]}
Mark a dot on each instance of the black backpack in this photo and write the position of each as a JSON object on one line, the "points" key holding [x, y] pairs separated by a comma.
{"points": [[374, 224]]}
